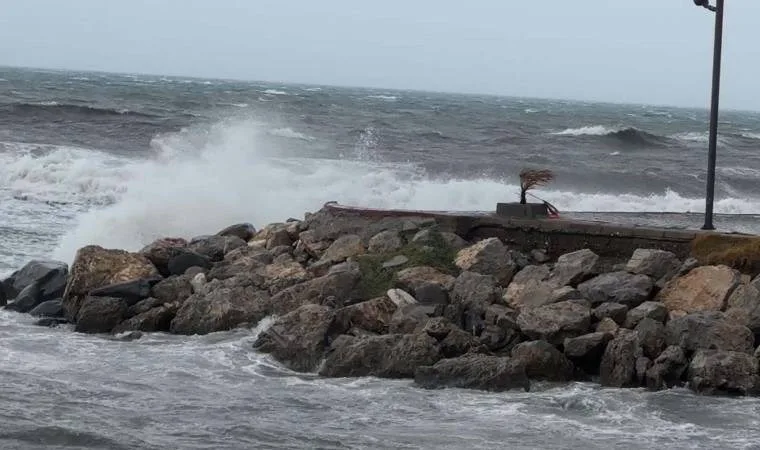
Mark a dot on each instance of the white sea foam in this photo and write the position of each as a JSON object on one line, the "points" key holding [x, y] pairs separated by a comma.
{"points": [[275, 92], [390, 98], [594, 130], [750, 135], [290, 134]]}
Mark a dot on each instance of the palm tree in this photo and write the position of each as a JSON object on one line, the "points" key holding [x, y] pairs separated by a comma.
{"points": [[530, 179]]}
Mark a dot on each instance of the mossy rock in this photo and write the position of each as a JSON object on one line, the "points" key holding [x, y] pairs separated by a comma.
{"points": [[738, 252]]}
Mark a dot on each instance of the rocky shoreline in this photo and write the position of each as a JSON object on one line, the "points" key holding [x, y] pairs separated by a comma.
{"points": [[398, 297]]}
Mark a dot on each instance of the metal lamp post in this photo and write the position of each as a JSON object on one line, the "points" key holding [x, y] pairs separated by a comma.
{"points": [[713, 140]]}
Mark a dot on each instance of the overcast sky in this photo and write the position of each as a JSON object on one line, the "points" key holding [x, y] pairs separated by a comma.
{"points": [[642, 51]]}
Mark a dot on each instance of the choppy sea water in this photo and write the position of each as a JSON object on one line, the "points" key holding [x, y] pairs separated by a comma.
{"points": [[118, 160]]}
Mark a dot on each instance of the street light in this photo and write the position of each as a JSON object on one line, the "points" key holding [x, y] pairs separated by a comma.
{"points": [[713, 140]]}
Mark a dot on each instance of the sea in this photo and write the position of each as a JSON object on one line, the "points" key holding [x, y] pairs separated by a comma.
{"points": [[121, 159]]}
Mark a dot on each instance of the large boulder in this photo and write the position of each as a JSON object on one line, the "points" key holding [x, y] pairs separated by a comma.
{"points": [[473, 293], [282, 275], [298, 339], [543, 361], [652, 262], [489, 373], [653, 310], [372, 315], [100, 314], [651, 336], [173, 289], [388, 356], [618, 366], [529, 288], [339, 289], [216, 246], [48, 276], [746, 298], [385, 242], [709, 330], [152, 320], [95, 267], [488, 257], [573, 268], [705, 288], [222, 306], [668, 369], [724, 372], [241, 260], [586, 351], [618, 287], [160, 251], [344, 247], [244, 231], [556, 322], [50, 308], [129, 291], [183, 259]]}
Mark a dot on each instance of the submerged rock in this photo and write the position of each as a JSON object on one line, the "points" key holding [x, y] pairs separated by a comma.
{"points": [[100, 314], [37, 282], [543, 361], [724, 372], [489, 373]]}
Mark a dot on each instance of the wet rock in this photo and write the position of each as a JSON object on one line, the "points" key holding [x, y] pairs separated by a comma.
{"points": [[573, 268], [221, 307], [501, 332], [159, 252], [653, 310], [96, 267], [51, 322], [482, 372], [643, 364], [143, 306], [130, 291], [705, 288], [653, 263], [410, 318], [543, 361], [488, 257], [50, 308], [457, 342], [607, 325], [372, 315], [414, 278], [746, 298], [298, 339], [48, 276], [651, 336], [586, 351], [388, 356], [614, 311], [471, 296], [344, 247], [100, 314], [529, 289], [183, 259], [244, 231], [617, 287], [724, 372], [385, 242], [668, 369], [341, 287], [152, 320], [556, 322], [215, 247], [618, 366], [174, 289], [708, 330]]}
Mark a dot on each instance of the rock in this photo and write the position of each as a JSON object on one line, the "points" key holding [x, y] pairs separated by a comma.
{"points": [[159, 252], [746, 298], [100, 314], [539, 256], [410, 318], [240, 261], [488, 373], [488, 257], [723, 372], [3, 295], [279, 238], [26, 300], [183, 259], [215, 247], [282, 252], [528, 289], [556, 322], [705, 288], [618, 287], [542, 361], [244, 231], [50, 308], [457, 342], [344, 247], [470, 297], [282, 275], [220, 307], [501, 332], [651, 336], [431, 294], [152, 320], [453, 240], [298, 339], [51, 322], [96, 267], [385, 242], [197, 282], [573, 268], [668, 368], [310, 243], [653, 310], [618, 366], [653, 263], [400, 298], [607, 325], [143, 306], [174, 288], [586, 351], [564, 294], [615, 311], [388, 356], [396, 261], [130, 291], [414, 278], [49, 276], [643, 364], [708, 330], [341, 287], [127, 336], [372, 315]]}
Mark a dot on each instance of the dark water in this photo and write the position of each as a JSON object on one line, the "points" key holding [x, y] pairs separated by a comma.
{"points": [[119, 160]]}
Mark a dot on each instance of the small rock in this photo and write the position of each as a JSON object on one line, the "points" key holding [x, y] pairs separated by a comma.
{"points": [[183, 259], [607, 325], [614, 311], [668, 368], [618, 366], [651, 336], [653, 310], [372, 315], [385, 242], [528, 288], [152, 320], [279, 238], [643, 364], [400, 298], [705, 288], [586, 351], [215, 247], [539, 256], [143, 306], [244, 231], [160, 251], [431, 294], [653, 263], [396, 261], [414, 278], [564, 294], [344, 247], [173, 289], [50, 308]]}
